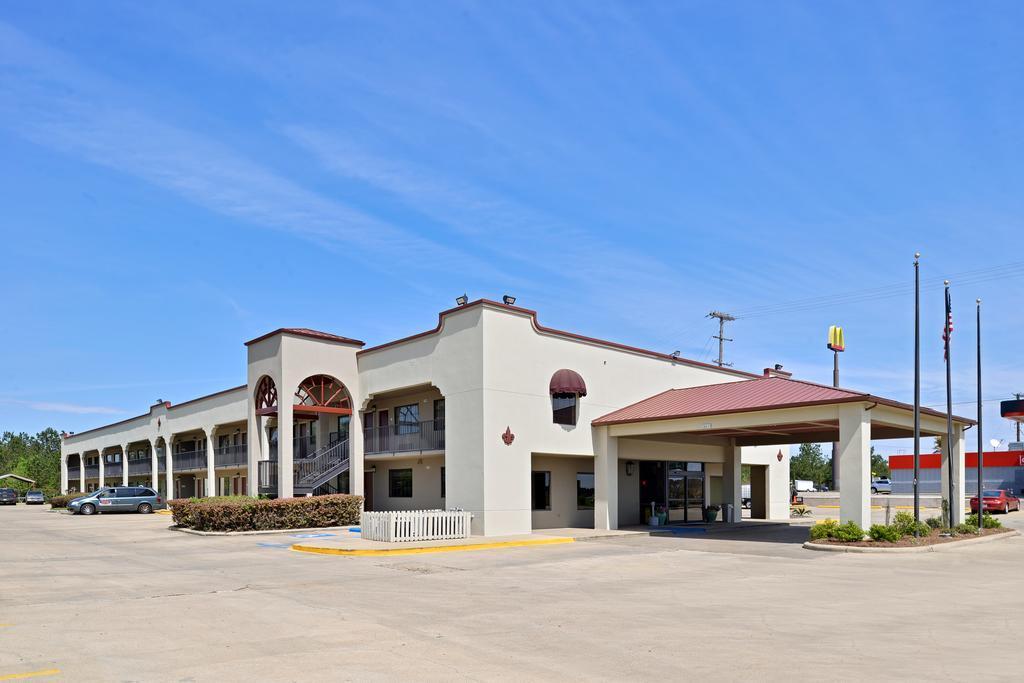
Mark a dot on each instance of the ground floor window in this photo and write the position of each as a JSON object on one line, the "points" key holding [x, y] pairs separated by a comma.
{"points": [[540, 490], [400, 483], [584, 490]]}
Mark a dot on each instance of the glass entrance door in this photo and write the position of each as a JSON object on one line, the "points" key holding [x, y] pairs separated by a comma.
{"points": [[685, 492]]}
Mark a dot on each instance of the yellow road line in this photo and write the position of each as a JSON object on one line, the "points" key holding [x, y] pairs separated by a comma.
{"points": [[388, 552], [29, 674]]}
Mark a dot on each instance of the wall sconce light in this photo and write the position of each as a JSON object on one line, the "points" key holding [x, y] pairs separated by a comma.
{"points": [[629, 468], [508, 299]]}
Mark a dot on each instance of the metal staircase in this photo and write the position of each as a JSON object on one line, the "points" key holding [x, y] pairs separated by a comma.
{"points": [[314, 472]]}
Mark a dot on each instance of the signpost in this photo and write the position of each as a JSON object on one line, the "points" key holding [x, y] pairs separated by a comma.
{"points": [[836, 344]]}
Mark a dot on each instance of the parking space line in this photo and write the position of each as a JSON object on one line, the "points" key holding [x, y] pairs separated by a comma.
{"points": [[29, 674]]}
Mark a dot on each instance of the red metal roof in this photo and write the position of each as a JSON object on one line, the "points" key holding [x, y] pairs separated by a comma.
{"points": [[767, 393], [306, 332]]}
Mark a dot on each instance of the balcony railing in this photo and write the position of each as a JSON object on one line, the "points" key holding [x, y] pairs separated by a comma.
{"points": [[404, 438], [267, 476], [143, 466], [189, 460], [231, 456], [112, 469], [92, 471], [74, 472]]}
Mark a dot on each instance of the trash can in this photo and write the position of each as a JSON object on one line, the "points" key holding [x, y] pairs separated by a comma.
{"points": [[729, 513]]}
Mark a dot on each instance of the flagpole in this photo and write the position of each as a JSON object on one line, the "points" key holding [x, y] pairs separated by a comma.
{"points": [[917, 389], [954, 519], [981, 443]]}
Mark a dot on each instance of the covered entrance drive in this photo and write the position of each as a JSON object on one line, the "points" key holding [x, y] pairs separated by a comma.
{"points": [[713, 424]]}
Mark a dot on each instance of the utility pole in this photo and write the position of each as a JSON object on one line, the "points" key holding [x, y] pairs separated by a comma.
{"points": [[1018, 396], [722, 319]]}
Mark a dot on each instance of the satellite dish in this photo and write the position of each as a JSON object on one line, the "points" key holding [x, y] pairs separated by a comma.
{"points": [[995, 443]]}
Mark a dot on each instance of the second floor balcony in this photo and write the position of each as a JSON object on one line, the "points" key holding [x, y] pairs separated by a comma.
{"points": [[140, 466], [415, 437], [231, 456], [189, 460]]}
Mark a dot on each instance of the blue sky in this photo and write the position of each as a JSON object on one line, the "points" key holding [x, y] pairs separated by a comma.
{"points": [[180, 177]]}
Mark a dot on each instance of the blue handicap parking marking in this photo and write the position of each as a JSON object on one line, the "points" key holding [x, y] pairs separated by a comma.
{"points": [[312, 535], [273, 545], [355, 529]]}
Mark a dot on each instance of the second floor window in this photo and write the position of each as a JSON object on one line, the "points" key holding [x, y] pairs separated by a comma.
{"points": [[407, 419], [563, 409]]}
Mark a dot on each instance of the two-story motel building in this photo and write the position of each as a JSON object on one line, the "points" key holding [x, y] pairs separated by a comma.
{"points": [[525, 426]]}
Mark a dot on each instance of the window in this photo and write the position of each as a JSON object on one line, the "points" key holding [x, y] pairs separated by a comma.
{"points": [[584, 490], [438, 413], [400, 483], [540, 490], [223, 441], [563, 409], [407, 419], [147, 492], [442, 482]]}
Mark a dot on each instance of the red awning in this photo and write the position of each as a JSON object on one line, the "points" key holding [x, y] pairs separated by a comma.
{"points": [[567, 382]]}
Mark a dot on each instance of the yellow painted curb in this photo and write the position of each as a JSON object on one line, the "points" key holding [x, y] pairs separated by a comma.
{"points": [[388, 552], [164, 512], [30, 674]]}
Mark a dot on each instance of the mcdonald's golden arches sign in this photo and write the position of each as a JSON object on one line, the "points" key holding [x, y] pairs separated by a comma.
{"points": [[835, 338]]}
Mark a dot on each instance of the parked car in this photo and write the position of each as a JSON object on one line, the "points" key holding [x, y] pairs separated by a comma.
{"points": [[8, 497], [745, 496], [34, 498], [881, 485], [996, 500], [118, 499]]}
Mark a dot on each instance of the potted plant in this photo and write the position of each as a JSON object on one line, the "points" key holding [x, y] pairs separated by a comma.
{"points": [[711, 513], [662, 515]]}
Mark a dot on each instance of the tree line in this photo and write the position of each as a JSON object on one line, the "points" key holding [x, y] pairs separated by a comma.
{"points": [[36, 457], [812, 464]]}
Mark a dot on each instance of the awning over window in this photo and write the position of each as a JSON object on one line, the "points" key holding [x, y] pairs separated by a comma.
{"points": [[567, 382]]}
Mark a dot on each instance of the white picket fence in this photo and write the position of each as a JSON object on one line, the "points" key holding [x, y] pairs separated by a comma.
{"points": [[415, 525]]}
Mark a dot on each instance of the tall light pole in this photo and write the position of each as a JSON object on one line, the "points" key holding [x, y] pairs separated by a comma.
{"points": [[981, 443], [947, 335], [917, 389], [836, 344]]}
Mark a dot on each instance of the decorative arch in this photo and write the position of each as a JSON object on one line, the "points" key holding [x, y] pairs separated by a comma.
{"points": [[266, 395], [323, 394]]}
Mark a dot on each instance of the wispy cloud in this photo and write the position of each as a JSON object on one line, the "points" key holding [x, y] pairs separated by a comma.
{"points": [[70, 408], [48, 98]]}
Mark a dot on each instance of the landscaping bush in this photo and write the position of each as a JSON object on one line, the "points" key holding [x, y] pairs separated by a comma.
{"points": [[964, 528], [834, 530], [59, 502], [987, 521], [934, 523], [881, 532], [242, 513], [849, 532], [904, 523]]}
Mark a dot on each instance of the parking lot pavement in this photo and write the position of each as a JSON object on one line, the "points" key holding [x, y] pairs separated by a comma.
{"points": [[121, 597]]}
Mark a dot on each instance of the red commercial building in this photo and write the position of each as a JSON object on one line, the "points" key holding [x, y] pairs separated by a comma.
{"points": [[1003, 470]]}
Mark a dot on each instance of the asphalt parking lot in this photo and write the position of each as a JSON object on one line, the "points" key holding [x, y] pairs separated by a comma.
{"points": [[120, 597]]}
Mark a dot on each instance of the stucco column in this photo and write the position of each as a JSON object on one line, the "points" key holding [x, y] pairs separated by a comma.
{"points": [[211, 477], [956, 506], [256, 448], [155, 464], [285, 478], [732, 477], [355, 454], [169, 465], [606, 479], [81, 472], [855, 464], [63, 473], [124, 464], [102, 469]]}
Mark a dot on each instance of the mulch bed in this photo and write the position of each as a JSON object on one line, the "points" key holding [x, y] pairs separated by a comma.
{"points": [[910, 541]]}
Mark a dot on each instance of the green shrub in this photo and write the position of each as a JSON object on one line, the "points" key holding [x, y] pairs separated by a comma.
{"points": [[904, 523], [964, 528], [934, 523], [987, 521], [824, 530], [881, 532], [242, 513], [849, 532], [59, 502]]}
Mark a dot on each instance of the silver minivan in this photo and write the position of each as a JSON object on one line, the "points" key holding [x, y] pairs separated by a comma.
{"points": [[118, 499]]}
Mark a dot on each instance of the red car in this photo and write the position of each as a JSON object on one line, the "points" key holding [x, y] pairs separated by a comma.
{"points": [[997, 500]]}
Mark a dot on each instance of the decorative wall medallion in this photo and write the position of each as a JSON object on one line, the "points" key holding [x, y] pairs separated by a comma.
{"points": [[508, 437], [779, 456]]}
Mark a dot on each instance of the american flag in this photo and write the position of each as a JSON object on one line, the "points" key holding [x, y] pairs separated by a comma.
{"points": [[947, 332]]}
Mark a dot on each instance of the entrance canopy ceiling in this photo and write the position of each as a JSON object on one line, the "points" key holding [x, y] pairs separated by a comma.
{"points": [[769, 410]]}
